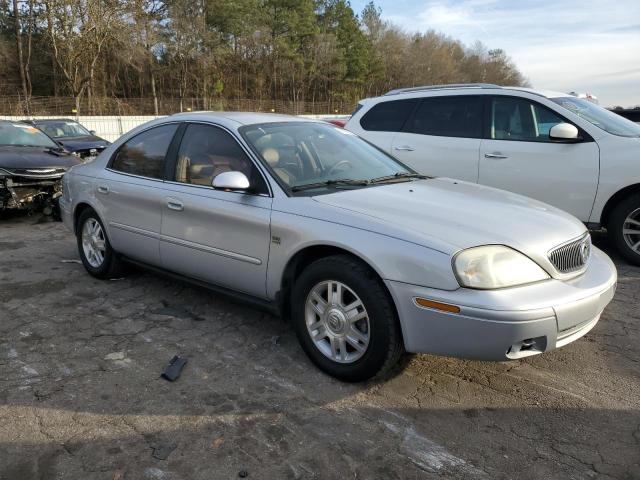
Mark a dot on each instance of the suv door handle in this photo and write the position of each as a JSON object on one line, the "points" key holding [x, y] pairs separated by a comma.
{"points": [[103, 189], [175, 204], [495, 155], [404, 148]]}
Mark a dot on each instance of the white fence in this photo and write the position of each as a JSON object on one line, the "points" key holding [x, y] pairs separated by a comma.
{"points": [[111, 127]]}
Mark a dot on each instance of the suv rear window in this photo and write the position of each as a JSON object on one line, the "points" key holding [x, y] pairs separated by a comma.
{"points": [[388, 116], [448, 117]]}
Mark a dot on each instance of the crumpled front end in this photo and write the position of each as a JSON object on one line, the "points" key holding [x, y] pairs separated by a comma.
{"points": [[32, 189]]}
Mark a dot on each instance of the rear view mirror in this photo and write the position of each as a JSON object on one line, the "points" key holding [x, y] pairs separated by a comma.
{"points": [[564, 131], [231, 181]]}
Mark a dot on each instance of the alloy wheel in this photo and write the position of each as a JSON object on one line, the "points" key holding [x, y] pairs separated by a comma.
{"points": [[93, 242], [337, 321], [631, 230]]}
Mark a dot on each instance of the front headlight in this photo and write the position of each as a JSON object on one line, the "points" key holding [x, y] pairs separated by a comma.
{"points": [[495, 266]]}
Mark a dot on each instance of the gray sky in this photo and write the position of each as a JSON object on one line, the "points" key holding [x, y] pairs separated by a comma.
{"points": [[585, 46]]}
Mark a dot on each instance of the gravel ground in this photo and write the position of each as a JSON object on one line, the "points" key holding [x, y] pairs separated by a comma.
{"points": [[81, 397]]}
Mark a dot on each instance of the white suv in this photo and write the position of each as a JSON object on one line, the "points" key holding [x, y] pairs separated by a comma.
{"points": [[563, 150]]}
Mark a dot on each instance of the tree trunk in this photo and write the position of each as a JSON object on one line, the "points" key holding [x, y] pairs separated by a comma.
{"points": [[153, 92], [18, 33]]}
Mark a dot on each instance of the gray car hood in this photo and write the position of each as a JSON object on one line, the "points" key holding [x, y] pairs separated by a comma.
{"points": [[461, 215]]}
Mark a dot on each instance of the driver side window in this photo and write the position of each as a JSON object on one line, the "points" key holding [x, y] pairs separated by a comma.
{"points": [[518, 119], [207, 151]]}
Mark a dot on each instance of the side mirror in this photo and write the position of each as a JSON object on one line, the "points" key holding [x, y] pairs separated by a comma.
{"points": [[92, 132], [231, 181], [564, 131]]}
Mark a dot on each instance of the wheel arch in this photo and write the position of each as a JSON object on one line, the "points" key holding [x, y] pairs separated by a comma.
{"points": [[309, 254], [615, 199], [78, 210]]}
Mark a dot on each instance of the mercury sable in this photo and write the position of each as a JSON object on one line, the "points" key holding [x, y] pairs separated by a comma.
{"points": [[367, 258]]}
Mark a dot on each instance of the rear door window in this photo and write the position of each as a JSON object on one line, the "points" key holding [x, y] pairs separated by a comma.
{"points": [[388, 116], [448, 117], [144, 154]]}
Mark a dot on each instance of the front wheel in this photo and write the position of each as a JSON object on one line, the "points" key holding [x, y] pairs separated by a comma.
{"points": [[624, 228], [97, 256], [345, 319]]}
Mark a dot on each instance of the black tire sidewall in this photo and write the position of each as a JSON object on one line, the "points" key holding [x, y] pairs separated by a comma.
{"points": [[616, 225], [104, 270], [384, 331]]}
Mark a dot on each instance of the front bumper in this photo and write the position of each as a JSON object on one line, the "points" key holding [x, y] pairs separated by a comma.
{"points": [[66, 213], [509, 323]]}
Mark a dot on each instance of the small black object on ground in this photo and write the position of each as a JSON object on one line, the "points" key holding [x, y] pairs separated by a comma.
{"points": [[174, 369]]}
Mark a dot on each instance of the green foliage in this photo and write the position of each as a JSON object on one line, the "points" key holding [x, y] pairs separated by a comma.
{"points": [[276, 50]]}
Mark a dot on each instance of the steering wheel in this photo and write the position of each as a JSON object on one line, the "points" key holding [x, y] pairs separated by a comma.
{"points": [[341, 163]]}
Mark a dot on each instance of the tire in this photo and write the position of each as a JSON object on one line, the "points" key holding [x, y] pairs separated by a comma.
{"points": [[377, 332], [624, 219], [109, 265]]}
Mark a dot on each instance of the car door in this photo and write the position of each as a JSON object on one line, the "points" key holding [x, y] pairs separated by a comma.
{"points": [[442, 137], [220, 237], [518, 155], [130, 193]]}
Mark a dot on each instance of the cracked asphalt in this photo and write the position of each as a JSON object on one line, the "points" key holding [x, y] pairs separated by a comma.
{"points": [[81, 395]]}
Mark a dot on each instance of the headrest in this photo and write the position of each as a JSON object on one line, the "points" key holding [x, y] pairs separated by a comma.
{"points": [[271, 155]]}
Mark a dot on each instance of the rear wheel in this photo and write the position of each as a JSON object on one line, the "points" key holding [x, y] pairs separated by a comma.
{"points": [[624, 228], [97, 256], [345, 320]]}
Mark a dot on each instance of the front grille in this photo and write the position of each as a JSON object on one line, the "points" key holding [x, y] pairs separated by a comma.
{"points": [[573, 256], [38, 172]]}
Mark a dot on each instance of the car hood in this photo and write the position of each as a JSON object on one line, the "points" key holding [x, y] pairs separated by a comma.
{"points": [[457, 214], [34, 157], [82, 142]]}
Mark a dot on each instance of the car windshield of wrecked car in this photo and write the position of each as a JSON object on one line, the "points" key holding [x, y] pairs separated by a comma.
{"points": [[22, 135], [64, 128], [310, 156]]}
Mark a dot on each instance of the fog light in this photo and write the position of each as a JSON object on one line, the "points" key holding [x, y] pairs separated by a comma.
{"points": [[528, 347]]}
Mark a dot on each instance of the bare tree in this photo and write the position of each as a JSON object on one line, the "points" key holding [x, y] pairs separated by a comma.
{"points": [[78, 29]]}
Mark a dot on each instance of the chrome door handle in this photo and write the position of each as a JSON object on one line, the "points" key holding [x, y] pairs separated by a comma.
{"points": [[495, 155], [174, 204], [103, 189], [404, 148]]}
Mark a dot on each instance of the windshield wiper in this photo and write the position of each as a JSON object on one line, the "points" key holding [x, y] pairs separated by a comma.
{"points": [[398, 176], [329, 183]]}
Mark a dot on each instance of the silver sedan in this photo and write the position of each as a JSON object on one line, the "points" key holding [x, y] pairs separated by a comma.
{"points": [[366, 258]]}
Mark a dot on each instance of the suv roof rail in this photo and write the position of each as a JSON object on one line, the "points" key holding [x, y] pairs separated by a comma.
{"points": [[441, 87]]}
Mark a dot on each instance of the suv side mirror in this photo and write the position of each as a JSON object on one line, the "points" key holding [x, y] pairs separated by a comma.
{"points": [[92, 132], [564, 131], [231, 181]]}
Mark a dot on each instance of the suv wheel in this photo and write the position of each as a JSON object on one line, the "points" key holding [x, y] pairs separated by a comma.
{"points": [[97, 256], [345, 319], [624, 228]]}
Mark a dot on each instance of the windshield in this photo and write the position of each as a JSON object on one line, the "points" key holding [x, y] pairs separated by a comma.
{"points": [[21, 134], [600, 117], [302, 154], [63, 128]]}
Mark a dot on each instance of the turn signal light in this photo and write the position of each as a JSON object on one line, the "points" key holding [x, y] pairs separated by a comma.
{"points": [[445, 307]]}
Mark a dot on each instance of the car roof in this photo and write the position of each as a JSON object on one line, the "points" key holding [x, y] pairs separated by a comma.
{"points": [[243, 118], [471, 88], [542, 93], [45, 120]]}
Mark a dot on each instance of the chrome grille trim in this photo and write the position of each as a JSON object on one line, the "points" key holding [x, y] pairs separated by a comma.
{"points": [[37, 172], [568, 257]]}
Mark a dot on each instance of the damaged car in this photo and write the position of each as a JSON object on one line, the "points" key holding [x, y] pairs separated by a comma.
{"points": [[72, 136], [31, 169]]}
